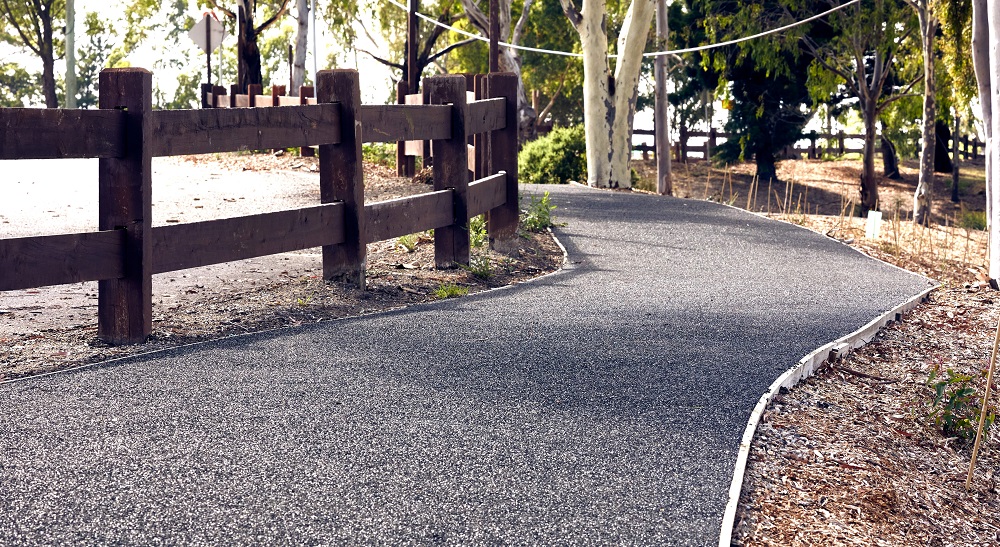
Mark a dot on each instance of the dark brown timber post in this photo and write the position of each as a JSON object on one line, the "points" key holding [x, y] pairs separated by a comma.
{"points": [[406, 166], [340, 177], [125, 305], [502, 221], [451, 170]]}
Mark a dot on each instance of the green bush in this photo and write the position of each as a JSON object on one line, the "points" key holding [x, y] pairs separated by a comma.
{"points": [[379, 153], [972, 220], [556, 158]]}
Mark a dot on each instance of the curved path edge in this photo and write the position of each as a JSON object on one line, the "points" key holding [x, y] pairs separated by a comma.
{"points": [[563, 266], [805, 368]]}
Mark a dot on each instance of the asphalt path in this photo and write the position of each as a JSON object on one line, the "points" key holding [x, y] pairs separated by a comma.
{"points": [[600, 405]]}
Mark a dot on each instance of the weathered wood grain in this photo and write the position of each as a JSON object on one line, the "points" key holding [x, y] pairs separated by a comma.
{"points": [[49, 133], [487, 115], [40, 261], [402, 122], [179, 132], [181, 246], [409, 215], [125, 305], [502, 221], [451, 158], [487, 193], [341, 178]]}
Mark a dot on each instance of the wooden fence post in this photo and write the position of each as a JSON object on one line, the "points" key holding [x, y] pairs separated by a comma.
{"points": [[451, 170], [480, 141], [406, 166], [125, 305], [340, 177], [684, 144], [840, 144], [306, 92], [207, 99], [502, 221]]}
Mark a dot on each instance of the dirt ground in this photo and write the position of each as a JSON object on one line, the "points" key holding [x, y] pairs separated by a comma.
{"points": [[54, 328], [853, 455]]}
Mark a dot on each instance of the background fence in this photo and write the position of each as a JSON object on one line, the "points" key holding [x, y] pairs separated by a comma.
{"points": [[125, 133]]}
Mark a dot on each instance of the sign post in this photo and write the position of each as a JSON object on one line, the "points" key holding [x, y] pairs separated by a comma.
{"points": [[208, 34]]}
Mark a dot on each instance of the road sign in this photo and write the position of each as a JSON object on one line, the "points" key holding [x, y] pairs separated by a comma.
{"points": [[208, 33]]}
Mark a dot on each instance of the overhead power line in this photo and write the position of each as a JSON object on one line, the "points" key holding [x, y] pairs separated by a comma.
{"points": [[651, 54]]}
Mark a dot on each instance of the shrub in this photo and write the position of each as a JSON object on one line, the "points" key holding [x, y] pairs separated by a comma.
{"points": [[556, 158], [379, 153], [973, 220], [956, 405], [477, 231], [538, 215]]}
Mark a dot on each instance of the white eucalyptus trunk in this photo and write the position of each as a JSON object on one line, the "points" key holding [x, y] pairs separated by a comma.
{"points": [[598, 111], [301, 45], [986, 61], [631, 43], [609, 102], [925, 182]]}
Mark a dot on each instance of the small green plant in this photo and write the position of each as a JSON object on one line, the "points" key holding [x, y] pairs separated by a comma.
{"points": [[379, 153], [972, 220], [450, 290], [956, 404], [556, 158], [480, 266], [538, 215], [304, 301], [477, 231], [408, 242]]}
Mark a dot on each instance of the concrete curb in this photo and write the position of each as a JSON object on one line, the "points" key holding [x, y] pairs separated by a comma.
{"points": [[802, 370]]}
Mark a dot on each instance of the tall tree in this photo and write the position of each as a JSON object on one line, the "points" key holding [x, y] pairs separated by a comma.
{"points": [[301, 46], [249, 52], [765, 80], [928, 28], [32, 24], [609, 99], [864, 53], [986, 61]]}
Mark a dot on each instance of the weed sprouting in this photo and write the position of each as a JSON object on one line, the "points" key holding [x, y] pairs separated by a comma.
{"points": [[450, 290], [477, 231], [480, 266], [408, 242], [538, 215], [956, 404]]}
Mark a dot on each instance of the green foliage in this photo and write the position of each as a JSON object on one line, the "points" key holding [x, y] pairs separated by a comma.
{"points": [[408, 242], [450, 290], [18, 87], [477, 231], [379, 153], [972, 220], [480, 266], [556, 158], [538, 215], [957, 404]]}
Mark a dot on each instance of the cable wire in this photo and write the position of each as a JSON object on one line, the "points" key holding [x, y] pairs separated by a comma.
{"points": [[651, 54]]}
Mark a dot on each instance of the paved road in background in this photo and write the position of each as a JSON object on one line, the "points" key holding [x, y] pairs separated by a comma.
{"points": [[600, 405]]}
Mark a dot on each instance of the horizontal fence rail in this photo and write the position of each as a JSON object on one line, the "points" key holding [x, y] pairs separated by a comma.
{"points": [[127, 251]]}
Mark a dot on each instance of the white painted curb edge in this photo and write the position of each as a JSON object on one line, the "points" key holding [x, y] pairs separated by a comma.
{"points": [[802, 370]]}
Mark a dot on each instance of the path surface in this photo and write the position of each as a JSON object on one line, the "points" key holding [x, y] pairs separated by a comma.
{"points": [[600, 405]]}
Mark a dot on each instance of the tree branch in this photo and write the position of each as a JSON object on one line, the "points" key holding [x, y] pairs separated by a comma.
{"points": [[445, 51], [572, 13], [228, 13], [515, 37], [552, 101], [275, 17], [381, 60]]}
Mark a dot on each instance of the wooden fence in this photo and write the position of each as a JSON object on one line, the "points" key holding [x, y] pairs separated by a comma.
{"points": [[126, 133], [819, 145]]}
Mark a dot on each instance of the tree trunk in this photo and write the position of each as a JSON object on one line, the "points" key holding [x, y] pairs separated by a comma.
{"points": [[928, 145], [661, 120], [301, 45], [631, 43], [597, 108], [955, 160], [987, 70], [890, 161], [993, 164], [869, 180], [48, 69], [249, 54]]}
